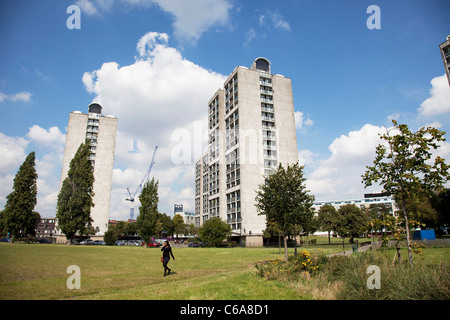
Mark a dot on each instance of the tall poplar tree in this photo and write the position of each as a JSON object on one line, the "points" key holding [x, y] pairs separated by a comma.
{"points": [[19, 218], [148, 211], [75, 197]]}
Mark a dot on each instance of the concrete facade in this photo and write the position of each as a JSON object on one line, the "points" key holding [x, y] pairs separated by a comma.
{"points": [[445, 54], [101, 131], [251, 131]]}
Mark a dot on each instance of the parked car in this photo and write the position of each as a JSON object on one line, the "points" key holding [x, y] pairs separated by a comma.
{"points": [[132, 243], [5, 240], [196, 244], [153, 244], [99, 243], [44, 240], [87, 242], [119, 243]]}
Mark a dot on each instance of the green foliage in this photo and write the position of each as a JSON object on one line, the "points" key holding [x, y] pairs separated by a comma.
{"points": [[402, 166], [110, 237], [284, 200], [440, 201], [179, 227], [75, 197], [147, 221], [350, 221], [327, 219], [214, 231], [398, 282], [290, 270], [18, 216]]}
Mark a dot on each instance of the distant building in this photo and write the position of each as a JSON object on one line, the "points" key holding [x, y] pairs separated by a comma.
{"points": [[251, 131], [177, 208], [188, 217], [369, 200], [445, 53], [101, 131], [46, 229]]}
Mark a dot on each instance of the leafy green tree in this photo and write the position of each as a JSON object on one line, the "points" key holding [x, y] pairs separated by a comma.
{"points": [[441, 203], [111, 237], [327, 219], [284, 200], [19, 219], [148, 211], [167, 223], [192, 230], [377, 215], [131, 228], [120, 228], [403, 167], [179, 227], [214, 231], [75, 197], [350, 221], [419, 208]]}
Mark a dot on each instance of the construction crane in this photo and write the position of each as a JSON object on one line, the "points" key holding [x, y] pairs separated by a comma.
{"points": [[139, 188]]}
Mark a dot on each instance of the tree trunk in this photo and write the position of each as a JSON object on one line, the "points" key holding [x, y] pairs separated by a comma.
{"points": [[285, 247], [329, 239], [279, 243], [295, 243], [408, 240], [399, 255]]}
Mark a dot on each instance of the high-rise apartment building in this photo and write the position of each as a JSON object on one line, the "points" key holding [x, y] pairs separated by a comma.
{"points": [[445, 53], [101, 131], [251, 131]]}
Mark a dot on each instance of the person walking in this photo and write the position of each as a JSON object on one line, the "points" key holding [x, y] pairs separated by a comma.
{"points": [[167, 252]]}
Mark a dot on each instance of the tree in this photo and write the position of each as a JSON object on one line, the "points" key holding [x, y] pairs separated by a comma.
{"points": [[327, 219], [148, 211], [284, 200], [404, 168], [378, 214], [214, 231], [111, 237], [75, 197], [19, 219], [441, 203], [350, 221], [179, 227]]}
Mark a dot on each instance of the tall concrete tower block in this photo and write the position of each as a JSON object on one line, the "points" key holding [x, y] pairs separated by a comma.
{"points": [[251, 131], [101, 131], [444, 47]]}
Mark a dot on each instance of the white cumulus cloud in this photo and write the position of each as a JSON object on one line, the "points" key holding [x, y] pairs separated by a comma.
{"points": [[159, 100], [339, 175], [439, 102]]}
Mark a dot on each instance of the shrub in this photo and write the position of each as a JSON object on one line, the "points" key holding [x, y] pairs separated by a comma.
{"points": [[348, 276], [398, 282], [302, 264], [110, 237], [214, 231]]}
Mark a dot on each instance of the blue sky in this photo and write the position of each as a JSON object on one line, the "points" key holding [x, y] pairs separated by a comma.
{"points": [[156, 63]]}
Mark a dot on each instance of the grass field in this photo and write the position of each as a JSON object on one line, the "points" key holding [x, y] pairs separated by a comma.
{"points": [[32, 271]]}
